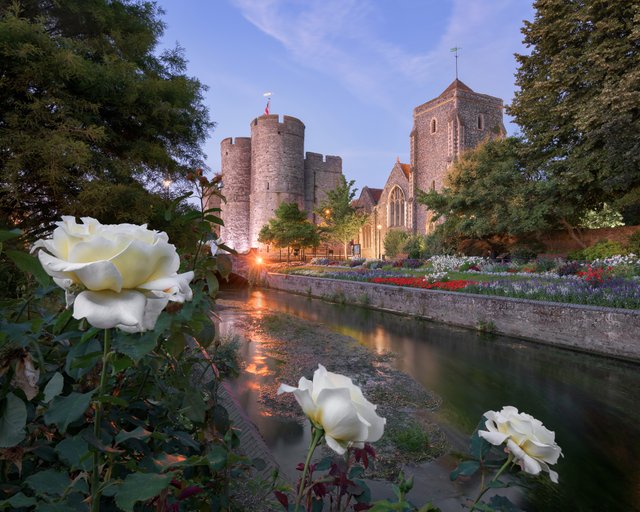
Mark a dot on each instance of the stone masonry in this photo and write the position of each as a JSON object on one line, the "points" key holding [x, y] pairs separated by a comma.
{"points": [[261, 172], [457, 120]]}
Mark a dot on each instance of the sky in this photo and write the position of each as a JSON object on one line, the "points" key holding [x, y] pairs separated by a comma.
{"points": [[351, 70]]}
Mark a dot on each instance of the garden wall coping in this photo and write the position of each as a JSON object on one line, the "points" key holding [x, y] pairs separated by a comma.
{"points": [[600, 330]]}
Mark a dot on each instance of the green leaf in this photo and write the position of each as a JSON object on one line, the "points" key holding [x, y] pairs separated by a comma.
{"points": [[175, 344], [78, 351], [465, 468], [48, 482], [62, 321], [207, 334], [67, 409], [13, 419], [138, 433], [140, 487], [479, 446], [88, 435], [53, 387], [225, 265], [137, 346], [220, 418], [74, 451], [18, 501], [120, 363], [217, 457], [8, 235], [212, 284], [194, 406], [30, 265]]}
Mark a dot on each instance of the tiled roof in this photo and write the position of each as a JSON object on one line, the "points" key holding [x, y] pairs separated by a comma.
{"points": [[406, 169], [456, 84], [375, 193]]}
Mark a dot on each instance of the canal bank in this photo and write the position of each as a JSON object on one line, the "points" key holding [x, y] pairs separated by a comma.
{"points": [[605, 331]]}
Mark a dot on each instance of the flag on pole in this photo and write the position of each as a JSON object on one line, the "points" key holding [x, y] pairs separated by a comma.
{"points": [[268, 96]]}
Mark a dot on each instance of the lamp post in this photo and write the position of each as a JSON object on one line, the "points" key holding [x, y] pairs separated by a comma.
{"points": [[379, 226]]}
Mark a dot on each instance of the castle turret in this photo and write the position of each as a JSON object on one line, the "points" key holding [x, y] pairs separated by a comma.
{"points": [[277, 163], [236, 187], [321, 174]]}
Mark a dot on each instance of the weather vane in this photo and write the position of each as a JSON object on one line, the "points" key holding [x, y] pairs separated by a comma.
{"points": [[455, 50]]}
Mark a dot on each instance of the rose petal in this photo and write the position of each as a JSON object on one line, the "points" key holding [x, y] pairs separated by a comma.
{"points": [[495, 438], [108, 309], [97, 275], [338, 416]]}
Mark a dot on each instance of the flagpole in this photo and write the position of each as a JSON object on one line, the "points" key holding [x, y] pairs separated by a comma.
{"points": [[455, 50]]}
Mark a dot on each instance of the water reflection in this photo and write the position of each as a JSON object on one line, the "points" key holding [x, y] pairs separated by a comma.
{"points": [[589, 401]]}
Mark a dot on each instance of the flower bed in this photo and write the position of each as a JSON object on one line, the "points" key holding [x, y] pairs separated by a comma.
{"points": [[416, 282]]}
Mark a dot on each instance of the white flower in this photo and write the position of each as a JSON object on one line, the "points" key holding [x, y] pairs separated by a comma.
{"points": [[128, 273], [336, 405], [213, 245], [532, 445]]}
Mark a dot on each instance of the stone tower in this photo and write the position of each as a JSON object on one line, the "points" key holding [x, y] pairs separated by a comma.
{"points": [[277, 163], [236, 155], [443, 128], [270, 168]]}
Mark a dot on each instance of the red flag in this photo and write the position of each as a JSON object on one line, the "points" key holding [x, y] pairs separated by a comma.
{"points": [[266, 110]]}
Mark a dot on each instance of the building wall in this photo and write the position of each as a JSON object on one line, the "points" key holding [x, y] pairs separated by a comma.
{"points": [[236, 180], [277, 164], [456, 129], [267, 169], [321, 174]]}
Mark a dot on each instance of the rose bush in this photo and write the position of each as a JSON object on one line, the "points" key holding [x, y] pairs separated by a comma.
{"points": [[336, 405], [125, 274], [531, 444]]}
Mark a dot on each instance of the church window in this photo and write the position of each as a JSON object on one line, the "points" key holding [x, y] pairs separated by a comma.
{"points": [[396, 207], [434, 125], [366, 236], [480, 122], [433, 184], [267, 185]]}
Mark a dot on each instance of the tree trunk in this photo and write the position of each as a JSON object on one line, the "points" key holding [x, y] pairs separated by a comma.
{"points": [[346, 256], [572, 233]]}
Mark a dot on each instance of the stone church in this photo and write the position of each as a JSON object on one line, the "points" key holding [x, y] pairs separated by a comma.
{"points": [[457, 120]]}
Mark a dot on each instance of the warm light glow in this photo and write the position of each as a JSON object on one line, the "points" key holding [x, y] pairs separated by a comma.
{"points": [[379, 226], [259, 260], [327, 212], [166, 183]]}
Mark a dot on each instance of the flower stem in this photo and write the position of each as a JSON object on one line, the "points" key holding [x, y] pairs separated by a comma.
{"points": [[317, 436], [485, 489], [95, 476]]}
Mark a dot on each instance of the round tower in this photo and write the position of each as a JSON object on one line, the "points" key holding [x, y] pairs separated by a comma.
{"points": [[236, 187], [277, 163]]}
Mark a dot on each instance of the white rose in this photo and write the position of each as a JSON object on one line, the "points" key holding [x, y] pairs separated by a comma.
{"points": [[532, 445], [337, 406], [129, 273]]}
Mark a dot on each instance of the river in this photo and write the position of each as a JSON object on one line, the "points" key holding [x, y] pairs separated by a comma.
{"points": [[590, 402]]}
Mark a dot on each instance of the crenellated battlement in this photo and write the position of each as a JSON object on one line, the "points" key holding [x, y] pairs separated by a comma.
{"points": [[238, 141], [331, 162], [272, 122]]}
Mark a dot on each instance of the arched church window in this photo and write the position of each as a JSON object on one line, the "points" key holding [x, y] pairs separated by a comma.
{"points": [[434, 125], [396, 207]]}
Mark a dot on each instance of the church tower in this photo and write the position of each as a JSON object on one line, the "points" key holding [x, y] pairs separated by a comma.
{"points": [[458, 119]]}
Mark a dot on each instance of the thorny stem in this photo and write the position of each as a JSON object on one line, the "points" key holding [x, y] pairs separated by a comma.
{"points": [[485, 489], [95, 475], [317, 436]]}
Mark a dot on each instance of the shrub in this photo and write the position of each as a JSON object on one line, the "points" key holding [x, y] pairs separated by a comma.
{"points": [[522, 253], [416, 246], [394, 242], [633, 243], [570, 268], [602, 249], [356, 262], [545, 264], [374, 264], [412, 263]]}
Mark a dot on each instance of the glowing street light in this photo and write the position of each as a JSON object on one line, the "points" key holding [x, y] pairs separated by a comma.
{"points": [[259, 260]]}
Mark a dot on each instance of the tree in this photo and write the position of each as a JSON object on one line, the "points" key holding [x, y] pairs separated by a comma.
{"points": [[489, 192], [578, 102], [289, 228], [88, 111], [394, 242], [342, 220]]}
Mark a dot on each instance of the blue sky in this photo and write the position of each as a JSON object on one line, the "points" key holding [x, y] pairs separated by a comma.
{"points": [[351, 70]]}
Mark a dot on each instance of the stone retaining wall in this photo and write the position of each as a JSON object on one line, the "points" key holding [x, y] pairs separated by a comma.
{"points": [[606, 331]]}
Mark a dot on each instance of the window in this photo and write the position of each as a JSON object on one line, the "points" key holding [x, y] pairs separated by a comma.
{"points": [[396, 207], [366, 236], [434, 125], [433, 184], [267, 185], [480, 122]]}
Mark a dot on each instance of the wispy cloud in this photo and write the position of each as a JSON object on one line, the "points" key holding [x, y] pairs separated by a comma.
{"points": [[339, 38]]}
